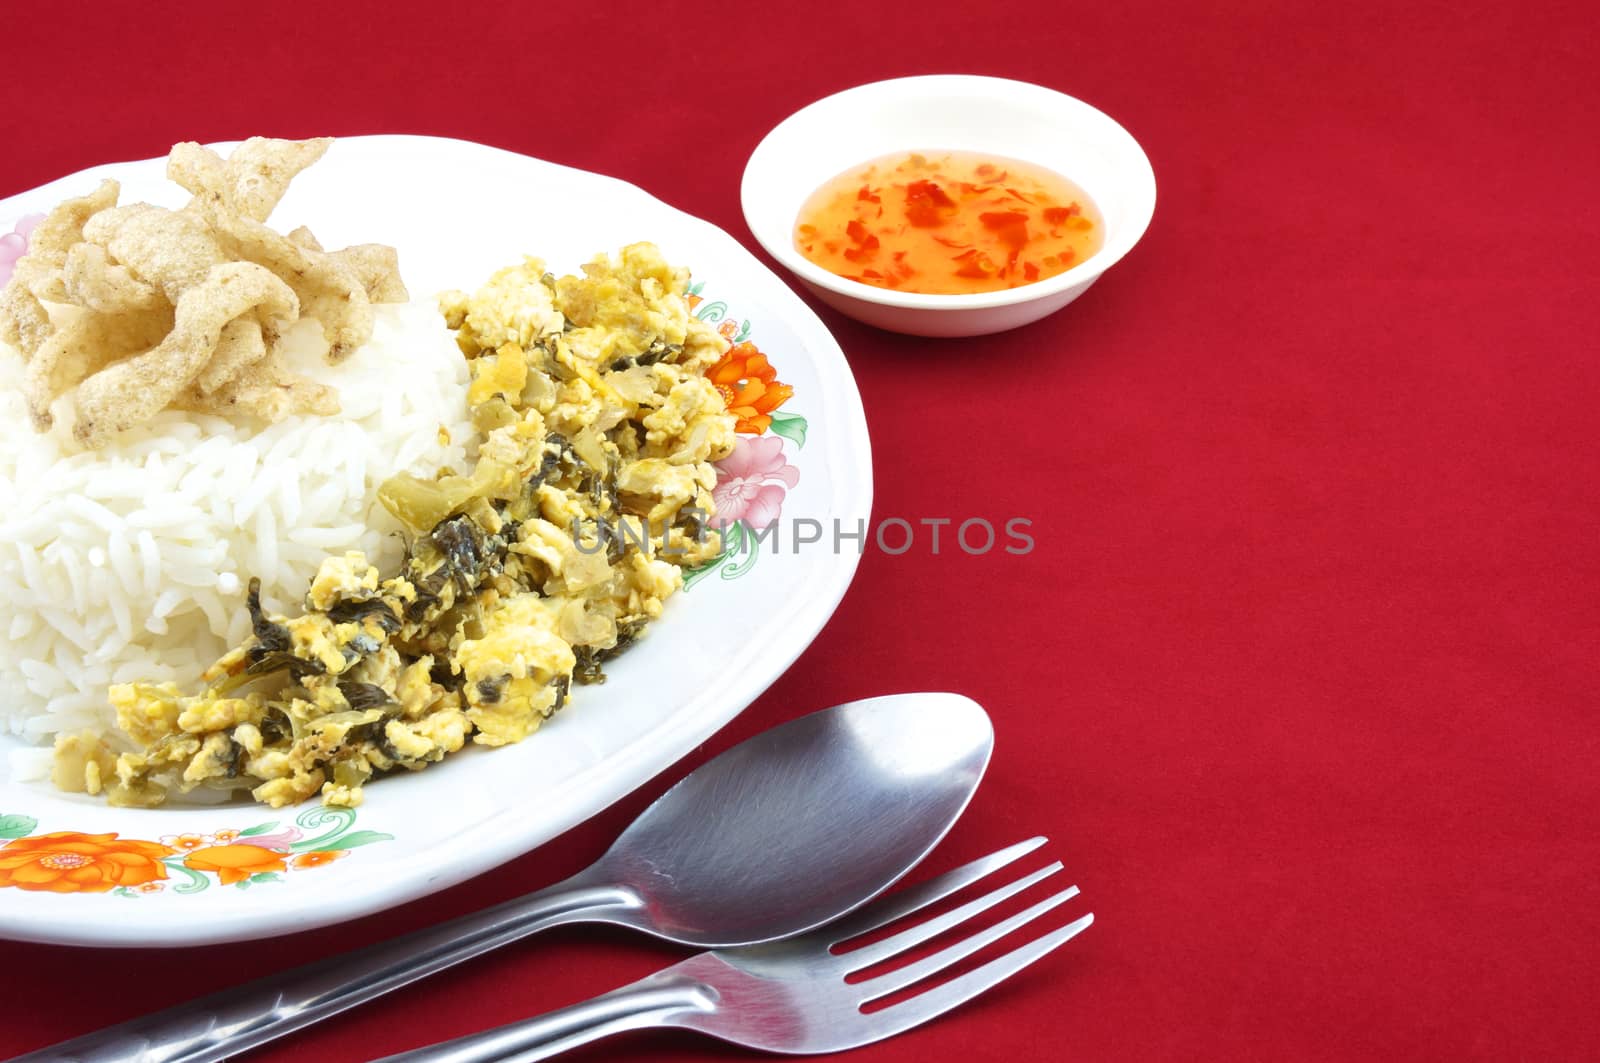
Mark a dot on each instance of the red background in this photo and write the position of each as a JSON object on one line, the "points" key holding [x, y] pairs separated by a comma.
{"points": [[1301, 677]]}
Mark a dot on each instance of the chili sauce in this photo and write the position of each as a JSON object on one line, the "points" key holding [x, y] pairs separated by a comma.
{"points": [[948, 223]]}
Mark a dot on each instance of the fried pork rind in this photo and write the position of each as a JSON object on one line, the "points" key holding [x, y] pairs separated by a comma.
{"points": [[24, 322], [85, 345], [266, 390], [254, 177], [91, 278], [137, 388], [240, 346], [337, 288], [170, 249], [377, 267], [328, 289], [187, 308], [305, 238]]}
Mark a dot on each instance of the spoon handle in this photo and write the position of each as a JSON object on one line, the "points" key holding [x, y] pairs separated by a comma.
{"points": [[662, 999], [226, 1023]]}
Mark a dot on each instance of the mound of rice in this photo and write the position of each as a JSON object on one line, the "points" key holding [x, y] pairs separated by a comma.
{"points": [[131, 562]]}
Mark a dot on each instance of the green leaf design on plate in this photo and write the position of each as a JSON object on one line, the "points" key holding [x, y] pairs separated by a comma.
{"points": [[197, 881], [743, 333], [741, 549], [790, 426], [351, 841], [700, 572], [747, 545], [730, 536], [341, 818], [712, 312], [16, 826], [265, 876], [123, 891], [696, 288], [259, 828]]}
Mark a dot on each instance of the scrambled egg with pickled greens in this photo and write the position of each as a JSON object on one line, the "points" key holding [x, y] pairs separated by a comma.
{"points": [[591, 490]]}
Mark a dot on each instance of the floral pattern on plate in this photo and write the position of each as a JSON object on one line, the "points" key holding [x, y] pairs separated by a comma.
{"points": [[14, 244], [752, 481], [76, 862]]}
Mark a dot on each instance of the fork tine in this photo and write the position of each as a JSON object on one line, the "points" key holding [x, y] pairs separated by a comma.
{"points": [[900, 1017], [912, 973], [911, 936], [886, 910]]}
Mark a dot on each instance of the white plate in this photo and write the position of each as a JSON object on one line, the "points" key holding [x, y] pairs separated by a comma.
{"points": [[457, 211]]}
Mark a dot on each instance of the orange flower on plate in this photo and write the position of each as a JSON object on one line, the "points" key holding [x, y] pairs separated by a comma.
{"points": [[234, 863], [317, 858], [750, 386], [72, 862]]}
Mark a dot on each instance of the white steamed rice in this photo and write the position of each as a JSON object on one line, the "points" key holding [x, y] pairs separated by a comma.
{"points": [[131, 563]]}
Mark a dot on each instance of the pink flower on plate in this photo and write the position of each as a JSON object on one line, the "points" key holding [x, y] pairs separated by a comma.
{"points": [[278, 841], [752, 482], [14, 244]]}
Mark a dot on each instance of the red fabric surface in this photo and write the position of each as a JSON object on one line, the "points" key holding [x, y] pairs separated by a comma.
{"points": [[1300, 678]]}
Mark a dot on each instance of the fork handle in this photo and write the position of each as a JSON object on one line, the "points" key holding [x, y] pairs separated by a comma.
{"points": [[660, 1000], [221, 1025]]}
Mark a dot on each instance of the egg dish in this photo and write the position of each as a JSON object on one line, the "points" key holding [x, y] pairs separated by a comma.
{"points": [[589, 491]]}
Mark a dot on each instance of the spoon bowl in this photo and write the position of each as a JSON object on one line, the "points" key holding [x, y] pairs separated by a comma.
{"points": [[840, 804]]}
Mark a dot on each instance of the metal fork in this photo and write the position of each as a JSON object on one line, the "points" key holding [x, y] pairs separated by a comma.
{"points": [[791, 996]]}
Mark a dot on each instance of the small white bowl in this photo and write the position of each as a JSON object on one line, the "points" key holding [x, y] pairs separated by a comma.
{"points": [[948, 112]]}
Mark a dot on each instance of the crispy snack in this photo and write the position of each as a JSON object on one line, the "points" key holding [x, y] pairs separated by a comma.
{"points": [[24, 322], [328, 289], [266, 390], [253, 179], [240, 345], [139, 307], [90, 278], [171, 249], [137, 388], [377, 267], [88, 343]]}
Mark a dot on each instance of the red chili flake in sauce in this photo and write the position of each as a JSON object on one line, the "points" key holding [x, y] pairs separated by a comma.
{"points": [[948, 223], [1010, 226]]}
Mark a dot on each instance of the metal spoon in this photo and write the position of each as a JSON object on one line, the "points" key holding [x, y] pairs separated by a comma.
{"points": [[778, 835]]}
